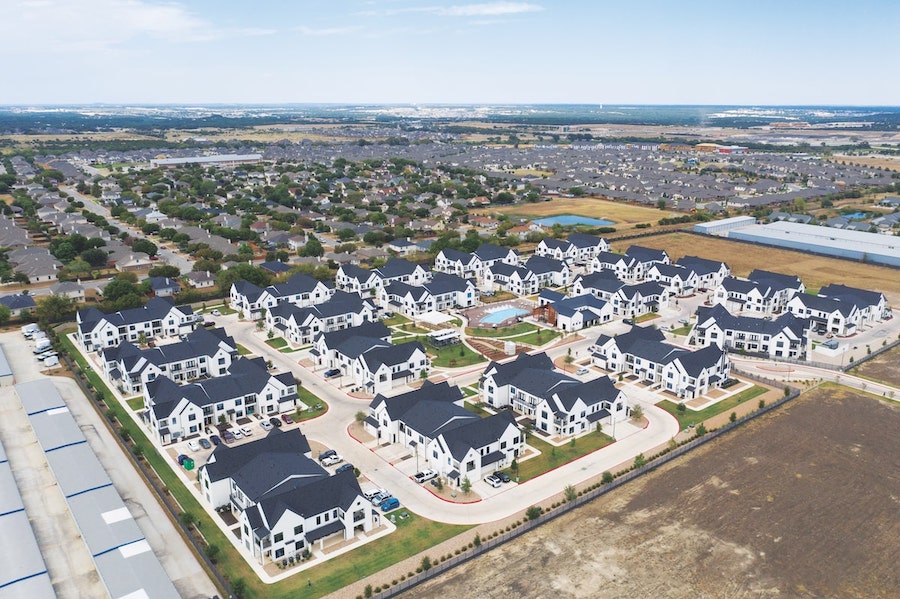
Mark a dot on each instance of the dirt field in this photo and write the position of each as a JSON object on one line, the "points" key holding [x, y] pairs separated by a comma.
{"points": [[882, 368], [814, 271], [591, 207], [802, 503], [888, 162]]}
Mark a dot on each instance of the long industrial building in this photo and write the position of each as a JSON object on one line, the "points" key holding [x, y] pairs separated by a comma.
{"points": [[223, 160], [857, 245], [122, 556]]}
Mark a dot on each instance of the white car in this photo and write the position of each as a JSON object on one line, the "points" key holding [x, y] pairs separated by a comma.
{"points": [[581, 371], [332, 460], [265, 425], [237, 433], [194, 445], [246, 430], [493, 480], [216, 313]]}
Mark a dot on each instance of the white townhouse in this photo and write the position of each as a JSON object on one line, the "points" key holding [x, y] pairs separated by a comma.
{"points": [[443, 292], [517, 280], [159, 317], [203, 353], [300, 290], [356, 279], [455, 262], [175, 412], [301, 326], [381, 368], [872, 305], [489, 255], [445, 436], [710, 273], [398, 270], [826, 315], [577, 248], [559, 404], [573, 313], [625, 267], [643, 353], [338, 349], [678, 280], [304, 515], [762, 293], [634, 300], [549, 272], [646, 257], [785, 337], [603, 284]]}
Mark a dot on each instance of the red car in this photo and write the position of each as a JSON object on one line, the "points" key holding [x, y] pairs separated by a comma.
{"points": [[287, 419]]}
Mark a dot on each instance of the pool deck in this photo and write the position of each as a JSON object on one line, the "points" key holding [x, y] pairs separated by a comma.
{"points": [[475, 316]]}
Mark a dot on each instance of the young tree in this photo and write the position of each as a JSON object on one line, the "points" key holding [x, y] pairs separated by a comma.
{"points": [[466, 485]]}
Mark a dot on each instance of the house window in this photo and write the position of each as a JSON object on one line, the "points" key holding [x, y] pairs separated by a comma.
{"points": [[278, 538], [279, 552], [298, 545], [470, 465], [298, 529]]}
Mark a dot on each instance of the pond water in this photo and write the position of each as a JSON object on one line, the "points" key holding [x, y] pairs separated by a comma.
{"points": [[573, 219]]}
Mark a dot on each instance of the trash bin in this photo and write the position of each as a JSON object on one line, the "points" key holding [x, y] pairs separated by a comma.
{"points": [[188, 464]]}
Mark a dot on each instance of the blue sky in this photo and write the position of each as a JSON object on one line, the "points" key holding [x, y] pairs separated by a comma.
{"points": [[457, 51]]}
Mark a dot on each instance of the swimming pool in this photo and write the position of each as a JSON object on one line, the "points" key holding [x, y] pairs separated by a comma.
{"points": [[573, 219], [502, 314]]}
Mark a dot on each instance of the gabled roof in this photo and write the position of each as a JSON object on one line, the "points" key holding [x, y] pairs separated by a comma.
{"points": [[604, 280], [315, 497], [489, 251], [701, 266], [508, 270], [156, 308], [339, 304], [200, 342], [543, 264], [296, 285], [357, 273], [477, 433], [695, 362], [862, 298], [728, 321], [389, 355], [457, 256], [248, 290], [826, 304], [555, 244], [442, 283], [625, 341], [645, 254], [18, 301], [397, 267], [504, 373], [589, 392], [613, 258], [775, 279], [160, 283], [367, 330], [569, 306], [582, 240]]}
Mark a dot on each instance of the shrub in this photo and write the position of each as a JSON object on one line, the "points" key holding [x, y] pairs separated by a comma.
{"points": [[762, 404], [367, 592], [569, 492], [639, 460], [701, 430], [477, 540], [533, 513], [426, 563], [378, 589], [732, 417], [787, 391], [607, 477]]}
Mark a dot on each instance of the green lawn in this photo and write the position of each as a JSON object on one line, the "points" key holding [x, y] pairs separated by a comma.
{"points": [[135, 403], [243, 351], [522, 327], [411, 328], [552, 457], [684, 330], [413, 534], [451, 356], [278, 343], [476, 409], [396, 319], [646, 317], [539, 337], [470, 391], [311, 400], [689, 417]]}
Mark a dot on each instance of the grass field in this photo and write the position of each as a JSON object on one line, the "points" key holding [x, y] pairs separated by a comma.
{"points": [[522, 327], [620, 213], [552, 456], [539, 337], [450, 356], [689, 417], [814, 271]]}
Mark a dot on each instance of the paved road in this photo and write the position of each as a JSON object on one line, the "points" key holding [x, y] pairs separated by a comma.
{"points": [[331, 430], [55, 526]]}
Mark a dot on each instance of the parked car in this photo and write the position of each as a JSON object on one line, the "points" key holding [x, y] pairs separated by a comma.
{"points": [[237, 433], [47, 354], [391, 503], [628, 321], [247, 431], [424, 476], [51, 361], [582, 371], [503, 476], [332, 373], [265, 425], [275, 422], [331, 460], [287, 419], [204, 443], [372, 493], [492, 480], [208, 323], [380, 498], [327, 454], [181, 459], [228, 436], [216, 313], [215, 439], [194, 445], [343, 468]]}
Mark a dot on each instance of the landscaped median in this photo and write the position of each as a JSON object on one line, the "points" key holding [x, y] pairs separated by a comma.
{"points": [[553, 456], [413, 534]]}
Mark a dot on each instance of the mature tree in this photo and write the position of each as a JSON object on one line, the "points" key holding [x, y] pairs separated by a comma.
{"points": [[119, 288], [54, 308], [96, 257], [346, 234], [144, 245], [313, 248], [226, 278], [165, 270], [5, 313]]}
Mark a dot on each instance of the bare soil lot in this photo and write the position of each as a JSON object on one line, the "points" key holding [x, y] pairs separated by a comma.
{"points": [[882, 368], [814, 271], [619, 212], [801, 503]]}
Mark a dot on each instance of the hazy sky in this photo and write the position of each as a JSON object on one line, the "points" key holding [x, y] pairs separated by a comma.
{"points": [[457, 51]]}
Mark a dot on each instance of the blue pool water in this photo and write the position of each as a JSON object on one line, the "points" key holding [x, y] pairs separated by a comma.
{"points": [[573, 219], [501, 315], [857, 216]]}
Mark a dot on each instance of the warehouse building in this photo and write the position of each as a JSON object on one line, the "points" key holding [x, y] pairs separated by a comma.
{"points": [[856, 245], [718, 227]]}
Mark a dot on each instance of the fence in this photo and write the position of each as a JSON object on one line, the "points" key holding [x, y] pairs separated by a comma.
{"points": [[867, 357], [581, 499]]}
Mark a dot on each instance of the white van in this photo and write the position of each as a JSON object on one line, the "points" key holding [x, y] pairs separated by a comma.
{"points": [[42, 345], [51, 361], [29, 329]]}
